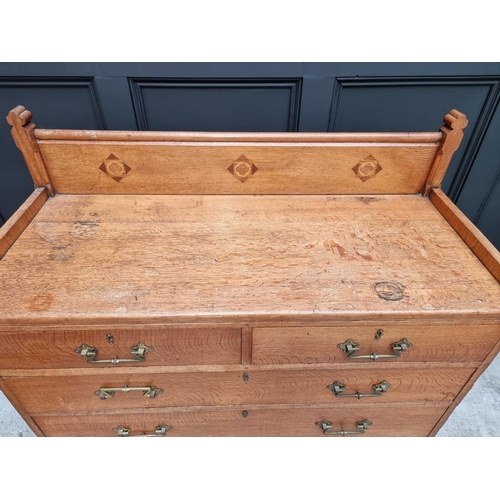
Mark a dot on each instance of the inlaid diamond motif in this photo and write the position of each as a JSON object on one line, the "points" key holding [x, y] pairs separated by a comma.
{"points": [[367, 168], [114, 167], [242, 168]]}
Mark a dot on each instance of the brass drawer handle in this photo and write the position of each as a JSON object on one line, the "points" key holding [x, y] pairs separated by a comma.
{"points": [[159, 431], [350, 348], [326, 426], [338, 388], [109, 392], [139, 351]]}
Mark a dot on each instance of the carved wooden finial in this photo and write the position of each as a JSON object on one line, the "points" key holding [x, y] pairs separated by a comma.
{"points": [[23, 133], [19, 116], [456, 120], [453, 134]]}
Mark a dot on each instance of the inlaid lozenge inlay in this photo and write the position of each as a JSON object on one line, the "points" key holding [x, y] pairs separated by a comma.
{"points": [[114, 167], [367, 168], [242, 168]]}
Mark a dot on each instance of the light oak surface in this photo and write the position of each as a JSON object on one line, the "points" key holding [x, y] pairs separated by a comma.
{"points": [[58, 135], [12, 400], [209, 258], [476, 241], [19, 221], [453, 134], [171, 347], [191, 168], [387, 420], [70, 393], [431, 342], [243, 260], [468, 386], [23, 133]]}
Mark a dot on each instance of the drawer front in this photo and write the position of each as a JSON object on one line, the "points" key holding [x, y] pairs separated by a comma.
{"points": [[387, 420], [171, 347], [342, 387], [443, 342]]}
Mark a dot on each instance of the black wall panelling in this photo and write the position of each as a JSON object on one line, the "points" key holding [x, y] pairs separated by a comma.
{"points": [[480, 181], [55, 103], [476, 142], [488, 217], [246, 105]]}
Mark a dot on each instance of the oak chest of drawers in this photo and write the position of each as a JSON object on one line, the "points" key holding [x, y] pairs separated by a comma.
{"points": [[181, 284]]}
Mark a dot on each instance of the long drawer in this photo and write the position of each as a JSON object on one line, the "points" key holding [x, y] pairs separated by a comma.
{"points": [[385, 419], [110, 391], [169, 346], [430, 342]]}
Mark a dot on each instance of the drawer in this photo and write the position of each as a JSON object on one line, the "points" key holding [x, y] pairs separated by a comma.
{"points": [[171, 346], [386, 419], [431, 342], [78, 393]]}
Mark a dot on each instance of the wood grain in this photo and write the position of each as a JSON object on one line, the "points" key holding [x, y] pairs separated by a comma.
{"points": [[387, 420], [211, 168], [174, 346], [466, 388], [145, 370], [453, 134], [22, 412], [475, 240], [246, 345], [23, 133], [178, 247], [14, 227], [279, 137], [466, 342], [173, 259], [76, 393]]}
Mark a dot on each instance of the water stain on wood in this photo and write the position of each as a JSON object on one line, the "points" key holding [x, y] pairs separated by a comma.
{"points": [[61, 252], [366, 199], [363, 254], [84, 228], [389, 290], [41, 302], [331, 245], [335, 247]]}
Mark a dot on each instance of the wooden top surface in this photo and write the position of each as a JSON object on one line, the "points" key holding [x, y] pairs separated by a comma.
{"points": [[98, 259]]}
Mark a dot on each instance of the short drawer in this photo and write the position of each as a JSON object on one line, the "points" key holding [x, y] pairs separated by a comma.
{"points": [[430, 342], [155, 390], [386, 420], [170, 346]]}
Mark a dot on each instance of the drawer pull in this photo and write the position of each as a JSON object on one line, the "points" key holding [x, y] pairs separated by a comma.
{"points": [[159, 431], [109, 392], [326, 426], [139, 351], [338, 388], [350, 348]]}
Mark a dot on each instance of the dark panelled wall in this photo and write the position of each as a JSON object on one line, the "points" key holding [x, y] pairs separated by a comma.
{"points": [[306, 97]]}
